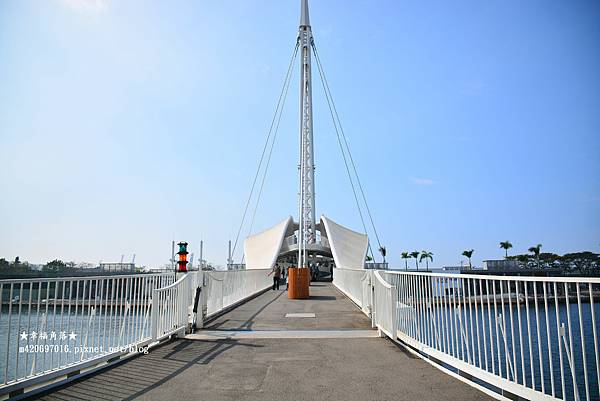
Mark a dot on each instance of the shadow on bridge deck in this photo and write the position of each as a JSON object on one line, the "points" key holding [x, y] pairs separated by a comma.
{"points": [[276, 369]]}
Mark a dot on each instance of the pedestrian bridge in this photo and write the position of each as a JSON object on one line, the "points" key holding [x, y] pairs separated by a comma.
{"points": [[367, 335]]}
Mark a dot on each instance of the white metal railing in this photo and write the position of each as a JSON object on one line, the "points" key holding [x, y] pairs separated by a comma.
{"points": [[385, 303], [356, 285], [534, 337], [59, 326], [225, 288], [50, 327], [293, 240], [236, 266], [170, 308]]}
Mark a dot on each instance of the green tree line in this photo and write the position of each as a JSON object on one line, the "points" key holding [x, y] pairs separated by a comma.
{"points": [[54, 266]]}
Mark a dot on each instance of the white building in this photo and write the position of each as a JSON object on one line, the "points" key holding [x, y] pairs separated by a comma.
{"points": [[501, 264], [118, 267]]}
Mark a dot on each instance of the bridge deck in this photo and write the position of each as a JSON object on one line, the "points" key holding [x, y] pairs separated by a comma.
{"points": [[281, 367], [332, 311]]}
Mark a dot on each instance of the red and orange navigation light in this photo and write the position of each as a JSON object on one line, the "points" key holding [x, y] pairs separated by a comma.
{"points": [[182, 262]]}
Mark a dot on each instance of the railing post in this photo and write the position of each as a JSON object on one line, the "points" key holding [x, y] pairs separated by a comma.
{"points": [[393, 307], [369, 296], [154, 315], [203, 298], [186, 307], [373, 302]]}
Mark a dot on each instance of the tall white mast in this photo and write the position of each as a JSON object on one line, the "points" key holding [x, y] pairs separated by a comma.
{"points": [[307, 231]]}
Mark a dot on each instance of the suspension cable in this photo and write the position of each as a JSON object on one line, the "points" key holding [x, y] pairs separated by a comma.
{"points": [[281, 94], [262, 184], [335, 125], [327, 89]]}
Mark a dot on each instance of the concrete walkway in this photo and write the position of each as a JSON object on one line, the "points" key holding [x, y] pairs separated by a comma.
{"points": [[291, 364], [332, 311]]}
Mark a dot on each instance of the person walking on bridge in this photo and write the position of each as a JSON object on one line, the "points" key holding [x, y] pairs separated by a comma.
{"points": [[276, 272]]}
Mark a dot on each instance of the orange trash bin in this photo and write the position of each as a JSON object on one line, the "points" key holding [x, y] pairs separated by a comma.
{"points": [[298, 283]]}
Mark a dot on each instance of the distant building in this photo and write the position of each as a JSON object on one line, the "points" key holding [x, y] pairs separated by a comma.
{"points": [[451, 269], [500, 265], [377, 265], [36, 266], [117, 267], [164, 269]]}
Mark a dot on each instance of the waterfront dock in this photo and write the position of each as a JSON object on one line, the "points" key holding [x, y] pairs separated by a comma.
{"points": [[255, 352]]}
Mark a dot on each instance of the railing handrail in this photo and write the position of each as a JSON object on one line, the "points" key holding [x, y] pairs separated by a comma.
{"points": [[382, 281], [76, 278], [211, 273], [564, 279], [173, 285], [234, 271]]}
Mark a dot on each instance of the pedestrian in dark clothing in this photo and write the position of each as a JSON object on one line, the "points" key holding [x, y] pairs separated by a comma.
{"points": [[276, 272]]}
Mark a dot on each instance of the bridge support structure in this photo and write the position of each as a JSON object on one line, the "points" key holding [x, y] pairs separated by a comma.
{"points": [[307, 230]]}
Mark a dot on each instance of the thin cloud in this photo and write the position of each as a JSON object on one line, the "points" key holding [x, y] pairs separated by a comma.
{"points": [[422, 181]]}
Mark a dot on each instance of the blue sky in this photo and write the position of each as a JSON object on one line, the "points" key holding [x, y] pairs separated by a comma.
{"points": [[126, 124]]}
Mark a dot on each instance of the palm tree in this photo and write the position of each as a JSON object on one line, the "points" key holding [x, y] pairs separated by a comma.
{"points": [[383, 252], [468, 254], [415, 255], [536, 251], [427, 256], [368, 258], [506, 245], [405, 256]]}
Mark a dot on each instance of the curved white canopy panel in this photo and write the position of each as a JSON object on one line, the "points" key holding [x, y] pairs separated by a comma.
{"points": [[261, 250], [348, 247]]}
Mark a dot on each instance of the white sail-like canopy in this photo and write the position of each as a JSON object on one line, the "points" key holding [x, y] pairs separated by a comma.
{"points": [[347, 247], [261, 250]]}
